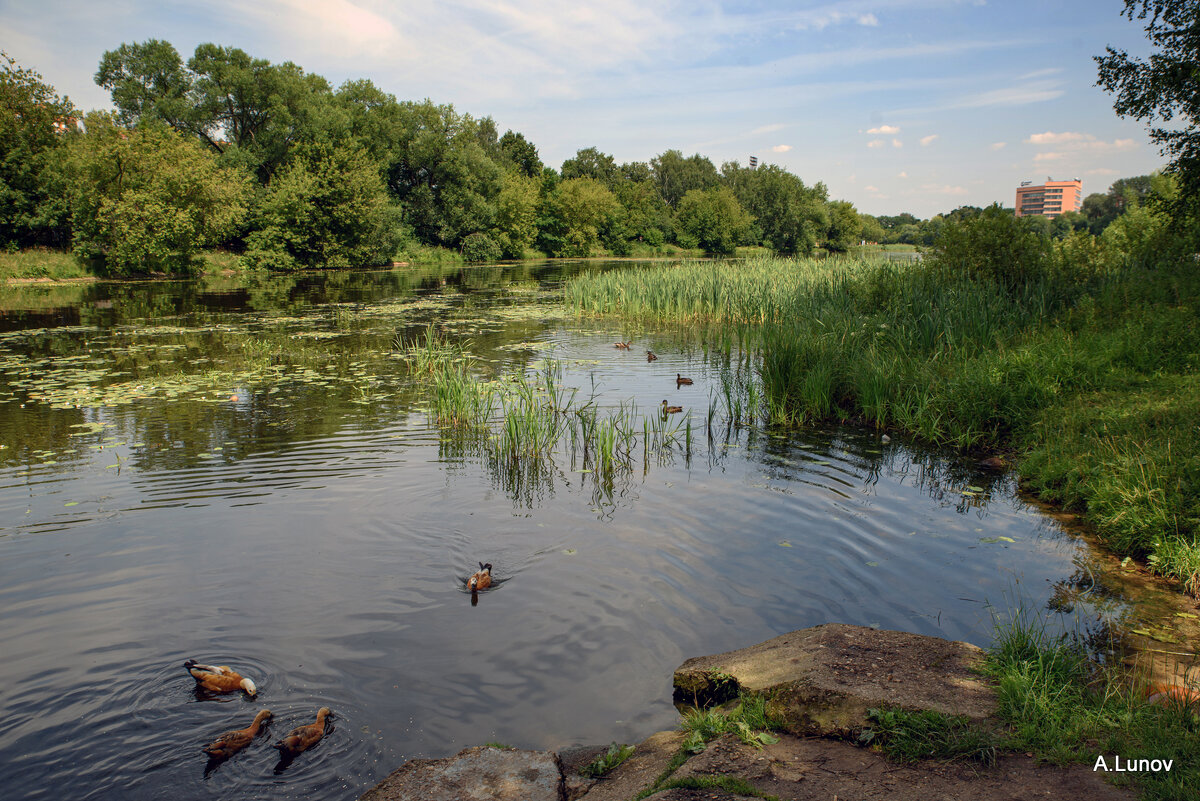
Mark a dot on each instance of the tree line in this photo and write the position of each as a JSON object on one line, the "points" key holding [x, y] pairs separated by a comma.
{"points": [[269, 161]]}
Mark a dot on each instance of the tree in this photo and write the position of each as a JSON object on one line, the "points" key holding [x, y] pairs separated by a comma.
{"points": [[993, 245], [516, 214], [521, 154], [33, 120], [872, 231], [148, 199], [676, 175], [586, 208], [1163, 88], [327, 209], [148, 81], [591, 163], [712, 219], [790, 216], [845, 227]]}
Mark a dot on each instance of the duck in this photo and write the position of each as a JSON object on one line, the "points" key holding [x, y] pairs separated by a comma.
{"points": [[1171, 694], [481, 579], [305, 737], [622, 346], [650, 356], [993, 463], [679, 380], [231, 742], [670, 409], [219, 678]]}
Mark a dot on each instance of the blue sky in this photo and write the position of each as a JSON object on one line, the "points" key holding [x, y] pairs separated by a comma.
{"points": [[896, 105]]}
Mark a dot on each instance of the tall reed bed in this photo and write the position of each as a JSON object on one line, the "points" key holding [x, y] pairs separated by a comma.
{"points": [[1093, 377]]}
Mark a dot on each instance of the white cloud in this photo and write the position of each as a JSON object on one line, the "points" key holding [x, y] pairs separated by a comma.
{"points": [[821, 18], [876, 143], [926, 141], [870, 188], [781, 148], [998, 145], [765, 129], [901, 174], [1048, 156], [1051, 138], [884, 129], [897, 143], [870, 20]]}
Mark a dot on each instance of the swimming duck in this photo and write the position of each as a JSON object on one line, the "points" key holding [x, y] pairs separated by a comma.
{"points": [[1167, 694], [993, 463], [622, 345], [650, 356], [305, 737], [231, 742], [671, 409], [218, 678], [481, 579], [681, 380]]}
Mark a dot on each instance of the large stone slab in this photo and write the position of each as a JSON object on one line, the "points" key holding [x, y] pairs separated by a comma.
{"points": [[822, 680], [475, 774]]}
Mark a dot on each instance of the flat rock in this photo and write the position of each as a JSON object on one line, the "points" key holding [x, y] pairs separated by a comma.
{"points": [[647, 762], [822, 680], [475, 774]]}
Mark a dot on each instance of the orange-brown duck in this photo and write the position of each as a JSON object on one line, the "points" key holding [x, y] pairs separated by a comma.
{"points": [[671, 409], [481, 579], [650, 356], [305, 737], [622, 345], [231, 742], [218, 678], [680, 380]]}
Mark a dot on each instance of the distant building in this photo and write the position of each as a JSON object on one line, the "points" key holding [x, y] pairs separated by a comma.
{"points": [[754, 162], [1049, 199]]}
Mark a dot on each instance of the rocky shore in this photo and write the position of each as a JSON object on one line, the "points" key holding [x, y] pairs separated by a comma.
{"points": [[819, 682]]}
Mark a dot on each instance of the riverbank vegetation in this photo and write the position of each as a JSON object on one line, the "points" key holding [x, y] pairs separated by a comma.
{"points": [[1078, 356]]}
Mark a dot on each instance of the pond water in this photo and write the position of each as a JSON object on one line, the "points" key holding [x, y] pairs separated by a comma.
{"points": [[246, 474]]}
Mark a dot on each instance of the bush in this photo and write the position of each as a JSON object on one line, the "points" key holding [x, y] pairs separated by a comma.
{"points": [[479, 247], [991, 246], [147, 199]]}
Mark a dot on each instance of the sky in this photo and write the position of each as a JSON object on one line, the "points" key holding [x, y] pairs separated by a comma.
{"points": [[916, 106]]}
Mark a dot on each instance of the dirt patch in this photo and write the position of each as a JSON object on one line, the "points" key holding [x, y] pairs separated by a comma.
{"points": [[817, 768]]}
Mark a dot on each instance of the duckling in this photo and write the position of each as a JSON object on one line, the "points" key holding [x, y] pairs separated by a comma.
{"points": [[650, 356], [481, 579], [680, 380], [622, 346], [670, 409], [305, 737], [231, 742], [219, 678]]}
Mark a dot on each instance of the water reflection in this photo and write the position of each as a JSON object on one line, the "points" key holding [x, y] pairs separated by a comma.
{"points": [[250, 474]]}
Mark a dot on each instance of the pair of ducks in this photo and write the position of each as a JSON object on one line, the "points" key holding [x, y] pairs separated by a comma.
{"points": [[223, 679]]}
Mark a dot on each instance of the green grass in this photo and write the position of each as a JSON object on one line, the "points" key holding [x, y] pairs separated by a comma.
{"points": [[748, 720], [908, 736], [1090, 377], [615, 755], [1064, 708], [42, 263]]}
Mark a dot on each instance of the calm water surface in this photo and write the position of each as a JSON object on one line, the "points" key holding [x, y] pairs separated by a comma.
{"points": [[246, 475]]}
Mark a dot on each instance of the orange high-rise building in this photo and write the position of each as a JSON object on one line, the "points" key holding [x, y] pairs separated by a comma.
{"points": [[1049, 199]]}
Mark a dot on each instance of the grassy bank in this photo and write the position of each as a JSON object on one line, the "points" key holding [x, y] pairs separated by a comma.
{"points": [[1091, 380]]}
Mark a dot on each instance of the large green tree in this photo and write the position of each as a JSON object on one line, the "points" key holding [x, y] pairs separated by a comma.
{"points": [[33, 121], [791, 217], [1163, 90], [712, 219], [327, 209], [675, 175]]}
